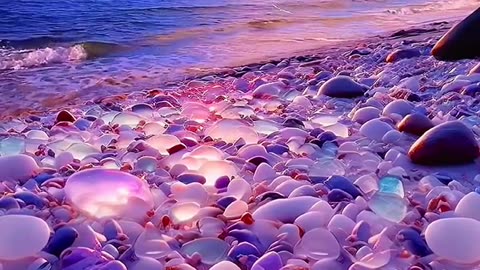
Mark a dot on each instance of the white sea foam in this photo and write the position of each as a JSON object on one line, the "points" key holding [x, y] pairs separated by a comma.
{"points": [[22, 59]]}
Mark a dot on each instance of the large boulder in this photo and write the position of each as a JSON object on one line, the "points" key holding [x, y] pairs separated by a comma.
{"points": [[460, 42], [446, 144]]}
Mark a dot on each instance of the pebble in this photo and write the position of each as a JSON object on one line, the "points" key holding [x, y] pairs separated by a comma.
{"points": [[375, 129], [399, 106], [366, 114], [341, 87], [22, 236], [447, 143], [18, 168], [416, 124], [455, 239], [400, 54]]}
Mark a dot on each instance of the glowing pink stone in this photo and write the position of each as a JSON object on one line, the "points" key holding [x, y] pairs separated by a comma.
{"points": [[212, 170], [108, 193], [223, 130]]}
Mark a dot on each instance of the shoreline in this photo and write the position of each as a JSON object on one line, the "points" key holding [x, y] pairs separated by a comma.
{"points": [[370, 147], [59, 101]]}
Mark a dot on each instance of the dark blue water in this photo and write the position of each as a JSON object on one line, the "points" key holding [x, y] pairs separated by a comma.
{"points": [[99, 47]]}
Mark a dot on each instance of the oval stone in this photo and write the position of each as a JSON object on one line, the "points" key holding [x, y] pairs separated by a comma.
{"points": [[416, 124], [342, 87], [447, 143], [455, 239], [22, 236]]}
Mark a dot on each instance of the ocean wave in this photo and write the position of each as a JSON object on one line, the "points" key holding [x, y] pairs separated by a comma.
{"points": [[32, 43], [16, 58], [433, 6]]}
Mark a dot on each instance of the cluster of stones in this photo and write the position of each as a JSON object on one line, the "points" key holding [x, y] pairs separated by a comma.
{"points": [[361, 160]]}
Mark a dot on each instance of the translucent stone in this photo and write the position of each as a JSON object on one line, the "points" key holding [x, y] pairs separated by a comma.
{"points": [[142, 109], [318, 244], [196, 112], [312, 220], [12, 146], [338, 129], [206, 152], [225, 265], [184, 212], [223, 130], [212, 170], [151, 244], [393, 185], [154, 128], [126, 119], [325, 119], [82, 150], [211, 227], [341, 225], [163, 142], [17, 167], [265, 127], [374, 260], [240, 189], [389, 206], [193, 192], [146, 164], [237, 112], [22, 236], [116, 193], [235, 209], [326, 168], [211, 250], [367, 183], [285, 210], [455, 239], [375, 129], [469, 206]]}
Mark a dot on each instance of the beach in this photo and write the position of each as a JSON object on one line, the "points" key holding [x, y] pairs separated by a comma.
{"points": [[352, 154]]}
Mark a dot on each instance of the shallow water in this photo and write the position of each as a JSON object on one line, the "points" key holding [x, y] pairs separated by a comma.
{"points": [[55, 52]]}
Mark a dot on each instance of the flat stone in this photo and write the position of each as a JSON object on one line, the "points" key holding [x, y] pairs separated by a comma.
{"points": [[447, 143], [342, 87], [460, 42]]}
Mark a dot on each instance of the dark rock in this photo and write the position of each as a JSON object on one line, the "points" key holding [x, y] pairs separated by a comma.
{"points": [[222, 182], [188, 178], [460, 42], [412, 241], [224, 202], [412, 32], [258, 160], [447, 143], [65, 116], [277, 149], [176, 148], [471, 90], [338, 195], [295, 123], [342, 87], [342, 183], [9, 203], [62, 239], [402, 54], [416, 124]]}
